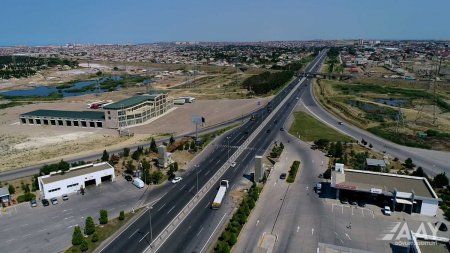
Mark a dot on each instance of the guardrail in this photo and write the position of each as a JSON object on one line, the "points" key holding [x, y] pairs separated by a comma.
{"points": [[170, 228]]}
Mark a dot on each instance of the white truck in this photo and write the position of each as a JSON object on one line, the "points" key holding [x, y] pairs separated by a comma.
{"points": [[220, 194]]}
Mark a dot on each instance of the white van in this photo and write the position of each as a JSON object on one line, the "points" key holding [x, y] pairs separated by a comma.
{"points": [[318, 188], [138, 183]]}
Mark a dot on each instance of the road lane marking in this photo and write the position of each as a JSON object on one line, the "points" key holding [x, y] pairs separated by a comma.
{"points": [[24, 225], [162, 207], [207, 172], [68, 217], [207, 205], [192, 188], [199, 231], [212, 233], [170, 209], [42, 230], [348, 236], [133, 233], [298, 228], [182, 187], [336, 234], [144, 237], [312, 231], [25, 236], [257, 222], [66, 210], [10, 240]]}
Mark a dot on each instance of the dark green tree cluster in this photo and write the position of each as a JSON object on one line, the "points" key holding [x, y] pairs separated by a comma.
{"points": [[358, 160], [440, 180], [267, 81], [89, 228], [172, 169], [332, 54], [229, 237], [62, 165], [105, 156], [103, 219], [336, 149], [153, 146], [24, 66], [137, 153], [322, 143], [77, 236], [277, 150]]}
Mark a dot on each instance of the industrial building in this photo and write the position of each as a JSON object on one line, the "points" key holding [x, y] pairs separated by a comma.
{"points": [[128, 112], [58, 183], [402, 193], [64, 118], [136, 110]]}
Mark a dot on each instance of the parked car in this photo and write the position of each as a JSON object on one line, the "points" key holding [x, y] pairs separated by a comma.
{"points": [[45, 202], [65, 197], [268, 131], [54, 201], [353, 202], [233, 164], [283, 176], [176, 180], [138, 183], [362, 204], [128, 178], [387, 210], [340, 123], [33, 203], [282, 129], [344, 201], [442, 227]]}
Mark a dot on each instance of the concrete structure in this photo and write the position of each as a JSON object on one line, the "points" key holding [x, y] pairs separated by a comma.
{"points": [[259, 169], [136, 110], [375, 164], [56, 184], [63, 118], [400, 192], [4, 195], [162, 156]]}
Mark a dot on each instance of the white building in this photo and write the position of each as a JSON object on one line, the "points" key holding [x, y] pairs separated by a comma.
{"points": [[56, 183]]}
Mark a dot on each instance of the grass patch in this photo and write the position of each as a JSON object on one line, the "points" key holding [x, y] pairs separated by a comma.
{"points": [[51, 97], [399, 138], [293, 172], [11, 104], [310, 129], [103, 232]]}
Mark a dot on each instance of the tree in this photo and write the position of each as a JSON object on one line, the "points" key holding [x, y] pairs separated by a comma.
{"points": [[327, 174], [192, 147], [409, 164], [94, 237], [77, 236], [103, 216], [419, 173], [136, 154], [232, 240], [11, 189], [89, 228], [175, 166], [321, 143], [281, 146], [171, 140], [153, 146], [186, 146], [105, 156], [156, 177], [122, 215], [126, 152], [440, 180], [83, 245], [370, 145]]}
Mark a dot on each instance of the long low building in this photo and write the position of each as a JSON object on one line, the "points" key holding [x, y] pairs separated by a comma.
{"points": [[57, 183], [402, 193], [64, 118]]}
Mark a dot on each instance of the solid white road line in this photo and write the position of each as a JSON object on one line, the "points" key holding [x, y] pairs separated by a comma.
{"points": [[192, 188], [199, 231], [348, 236], [182, 187], [162, 207], [212, 233]]}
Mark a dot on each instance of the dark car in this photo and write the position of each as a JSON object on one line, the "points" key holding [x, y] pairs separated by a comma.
{"points": [[128, 178], [281, 129], [45, 202], [283, 176], [268, 131], [362, 204], [442, 227], [353, 202], [344, 201]]}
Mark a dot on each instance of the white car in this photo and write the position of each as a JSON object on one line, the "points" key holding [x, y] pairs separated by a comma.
{"points": [[233, 164], [54, 201], [387, 210], [176, 180]]}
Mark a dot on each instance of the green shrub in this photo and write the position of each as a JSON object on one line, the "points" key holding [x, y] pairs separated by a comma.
{"points": [[83, 245], [232, 240], [77, 236], [293, 172], [26, 197], [103, 216], [122, 215], [89, 228], [94, 237], [11, 189]]}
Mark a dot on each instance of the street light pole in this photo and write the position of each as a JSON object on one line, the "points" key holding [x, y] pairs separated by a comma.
{"points": [[150, 223]]}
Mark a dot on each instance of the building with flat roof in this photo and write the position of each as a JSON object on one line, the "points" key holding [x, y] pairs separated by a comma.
{"points": [[57, 183], [136, 110], [402, 193], [128, 112], [64, 118], [375, 164]]}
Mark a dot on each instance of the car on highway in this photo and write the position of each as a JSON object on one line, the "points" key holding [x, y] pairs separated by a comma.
{"points": [[65, 197], [176, 180], [340, 123], [54, 201], [233, 164], [387, 210], [268, 131], [45, 202], [128, 178], [282, 129], [33, 203], [297, 98], [283, 176]]}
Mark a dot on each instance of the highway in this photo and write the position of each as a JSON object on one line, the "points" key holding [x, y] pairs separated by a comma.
{"points": [[432, 161], [137, 237]]}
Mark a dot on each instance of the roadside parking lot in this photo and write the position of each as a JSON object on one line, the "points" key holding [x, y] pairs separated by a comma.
{"points": [[49, 228]]}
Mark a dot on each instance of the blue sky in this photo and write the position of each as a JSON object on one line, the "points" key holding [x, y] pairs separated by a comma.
{"points": [[46, 22]]}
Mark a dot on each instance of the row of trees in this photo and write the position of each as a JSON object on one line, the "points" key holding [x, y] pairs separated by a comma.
{"points": [[267, 81], [277, 150], [229, 236]]}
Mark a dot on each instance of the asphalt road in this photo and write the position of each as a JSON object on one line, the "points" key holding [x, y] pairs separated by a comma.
{"points": [[137, 237], [433, 162]]}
